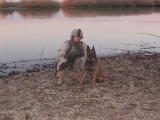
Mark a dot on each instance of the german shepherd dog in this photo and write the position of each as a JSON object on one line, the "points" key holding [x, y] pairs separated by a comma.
{"points": [[92, 67]]}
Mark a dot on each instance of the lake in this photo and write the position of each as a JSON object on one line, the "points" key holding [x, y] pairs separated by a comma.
{"points": [[24, 34]]}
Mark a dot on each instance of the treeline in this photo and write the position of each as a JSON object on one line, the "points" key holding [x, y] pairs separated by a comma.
{"points": [[80, 3], [30, 4], [110, 3]]}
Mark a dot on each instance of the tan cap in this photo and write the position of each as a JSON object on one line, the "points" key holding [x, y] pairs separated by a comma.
{"points": [[77, 32]]}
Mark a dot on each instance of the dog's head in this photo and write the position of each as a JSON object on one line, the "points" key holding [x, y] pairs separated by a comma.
{"points": [[91, 54]]}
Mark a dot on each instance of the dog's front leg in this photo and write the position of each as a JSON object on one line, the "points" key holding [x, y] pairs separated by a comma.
{"points": [[94, 78], [83, 77]]}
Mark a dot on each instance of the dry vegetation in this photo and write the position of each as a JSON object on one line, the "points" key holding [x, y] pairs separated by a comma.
{"points": [[111, 3]]}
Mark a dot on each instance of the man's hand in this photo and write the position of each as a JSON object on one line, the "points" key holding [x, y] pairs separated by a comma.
{"points": [[63, 66]]}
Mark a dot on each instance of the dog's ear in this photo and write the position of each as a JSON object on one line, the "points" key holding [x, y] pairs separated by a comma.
{"points": [[88, 48], [93, 48], [94, 51]]}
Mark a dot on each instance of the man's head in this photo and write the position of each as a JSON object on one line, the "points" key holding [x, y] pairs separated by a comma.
{"points": [[76, 35]]}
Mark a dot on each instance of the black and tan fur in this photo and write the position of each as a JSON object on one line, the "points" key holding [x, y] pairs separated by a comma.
{"points": [[92, 67]]}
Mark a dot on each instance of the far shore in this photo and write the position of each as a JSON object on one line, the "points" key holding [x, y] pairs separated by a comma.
{"points": [[78, 4], [77, 8]]}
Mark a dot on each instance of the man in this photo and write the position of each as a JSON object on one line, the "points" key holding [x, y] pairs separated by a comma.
{"points": [[72, 51]]}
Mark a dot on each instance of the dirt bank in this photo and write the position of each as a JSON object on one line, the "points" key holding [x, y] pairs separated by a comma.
{"points": [[131, 92]]}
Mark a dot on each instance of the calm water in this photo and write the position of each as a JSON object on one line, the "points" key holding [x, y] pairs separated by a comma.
{"points": [[24, 34]]}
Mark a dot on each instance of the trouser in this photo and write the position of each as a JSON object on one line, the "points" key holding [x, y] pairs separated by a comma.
{"points": [[60, 76], [77, 69]]}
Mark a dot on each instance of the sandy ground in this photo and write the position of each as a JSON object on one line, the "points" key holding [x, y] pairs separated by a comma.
{"points": [[131, 92]]}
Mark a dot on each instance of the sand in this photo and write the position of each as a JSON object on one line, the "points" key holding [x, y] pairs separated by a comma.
{"points": [[131, 92]]}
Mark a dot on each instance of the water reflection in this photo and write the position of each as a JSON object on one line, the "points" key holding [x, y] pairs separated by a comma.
{"points": [[5, 13], [74, 12], [36, 13], [104, 28]]}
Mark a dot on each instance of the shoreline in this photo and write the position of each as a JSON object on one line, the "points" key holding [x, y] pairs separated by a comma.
{"points": [[9, 69]]}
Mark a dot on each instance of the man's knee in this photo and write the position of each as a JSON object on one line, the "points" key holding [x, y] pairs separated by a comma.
{"points": [[60, 76]]}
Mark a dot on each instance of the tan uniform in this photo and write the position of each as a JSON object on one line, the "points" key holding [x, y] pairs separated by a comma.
{"points": [[61, 59], [62, 53]]}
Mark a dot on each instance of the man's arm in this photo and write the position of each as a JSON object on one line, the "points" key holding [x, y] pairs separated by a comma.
{"points": [[61, 54]]}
